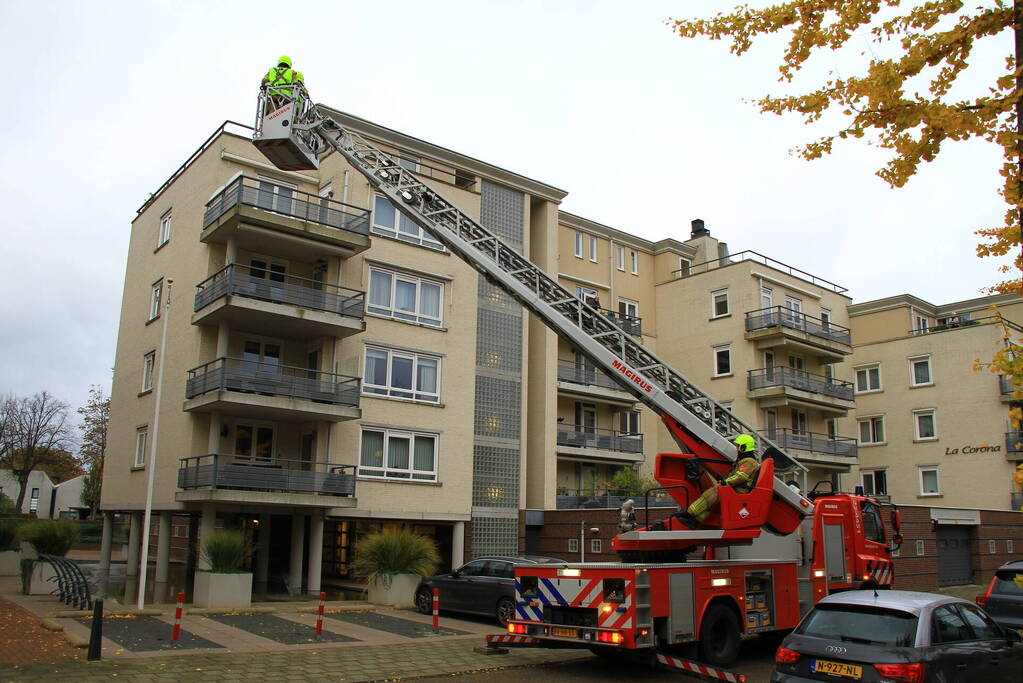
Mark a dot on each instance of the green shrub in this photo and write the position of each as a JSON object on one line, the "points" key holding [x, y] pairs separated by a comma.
{"points": [[8, 534], [50, 536], [380, 556], [225, 551], [6, 504], [628, 483]]}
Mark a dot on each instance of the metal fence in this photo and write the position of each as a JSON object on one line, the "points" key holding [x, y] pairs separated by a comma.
{"points": [[756, 257], [271, 379], [576, 499], [783, 376], [580, 373], [581, 436], [775, 316], [1014, 442], [287, 201], [224, 471], [259, 283], [630, 323], [813, 442], [1005, 385]]}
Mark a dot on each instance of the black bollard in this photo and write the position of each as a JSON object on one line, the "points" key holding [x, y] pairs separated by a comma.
{"points": [[96, 635]]}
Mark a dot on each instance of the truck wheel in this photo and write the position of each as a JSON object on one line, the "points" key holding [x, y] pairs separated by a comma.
{"points": [[719, 636]]}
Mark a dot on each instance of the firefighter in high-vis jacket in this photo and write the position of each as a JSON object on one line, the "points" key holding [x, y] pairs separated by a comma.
{"points": [[742, 478], [277, 82]]}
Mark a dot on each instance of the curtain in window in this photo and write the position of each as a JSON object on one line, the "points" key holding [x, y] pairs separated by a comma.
{"points": [[372, 449], [405, 296], [426, 376], [376, 367], [423, 456], [383, 213], [430, 304], [379, 289], [401, 372], [397, 453]]}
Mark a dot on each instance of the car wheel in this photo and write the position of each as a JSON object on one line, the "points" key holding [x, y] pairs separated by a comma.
{"points": [[424, 601], [505, 611], [719, 636]]}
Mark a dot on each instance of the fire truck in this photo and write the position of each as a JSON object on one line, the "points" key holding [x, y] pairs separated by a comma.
{"points": [[756, 564]]}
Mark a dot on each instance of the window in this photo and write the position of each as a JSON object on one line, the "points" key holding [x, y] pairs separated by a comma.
{"points": [[33, 499], [588, 296], [165, 229], [799, 423], [794, 304], [573, 545], [254, 442], [259, 357], [593, 249], [1009, 546], [685, 266], [924, 422], [635, 262], [276, 196], [389, 222], [719, 303], [875, 483], [868, 379], [628, 422], [628, 309], [992, 546], [722, 360], [578, 245], [394, 454], [920, 371], [401, 374], [929, 485], [919, 548], [984, 627], [871, 430], [949, 626], [620, 258], [155, 297], [922, 324], [873, 528], [766, 297], [825, 318], [148, 363], [595, 545], [141, 436], [405, 297]]}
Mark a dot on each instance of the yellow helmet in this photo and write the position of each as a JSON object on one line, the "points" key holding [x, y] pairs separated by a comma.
{"points": [[745, 443], [285, 59]]}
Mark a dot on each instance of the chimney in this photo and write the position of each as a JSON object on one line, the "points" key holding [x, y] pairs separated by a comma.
{"points": [[698, 229]]}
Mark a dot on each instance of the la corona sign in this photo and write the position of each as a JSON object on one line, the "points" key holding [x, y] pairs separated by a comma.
{"points": [[970, 449]]}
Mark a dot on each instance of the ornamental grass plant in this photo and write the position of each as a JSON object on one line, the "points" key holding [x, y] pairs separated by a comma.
{"points": [[226, 551], [381, 556], [50, 536]]}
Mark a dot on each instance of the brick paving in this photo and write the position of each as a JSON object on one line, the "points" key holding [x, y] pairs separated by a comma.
{"points": [[24, 640]]}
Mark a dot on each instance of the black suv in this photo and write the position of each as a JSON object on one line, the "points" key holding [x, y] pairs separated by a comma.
{"points": [[1004, 597]]}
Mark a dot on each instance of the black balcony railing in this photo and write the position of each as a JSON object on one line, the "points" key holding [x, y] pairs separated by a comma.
{"points": [[595, 498], [289, 202], [756, 257], [259, 283], [630, 323], [1005, 385], [581, 436], [813, 442], [579, 373], [782, 376], [1014, 442], [271, 379], [775, 316], [220, 471]]}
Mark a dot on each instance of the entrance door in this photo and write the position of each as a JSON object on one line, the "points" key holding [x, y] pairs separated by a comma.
{"points": [[954, 561]]}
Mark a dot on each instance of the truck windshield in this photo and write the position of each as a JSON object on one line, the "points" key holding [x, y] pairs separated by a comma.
{"points": [[873, 528], [862, 624]]}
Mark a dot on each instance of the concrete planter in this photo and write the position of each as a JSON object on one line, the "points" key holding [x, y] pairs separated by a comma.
{"points": [[401, 590], [10, 563], [39, 581], [223, 590]]}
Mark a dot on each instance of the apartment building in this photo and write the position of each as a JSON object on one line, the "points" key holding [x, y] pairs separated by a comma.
{"points": [[931, 429], [329, 369]]}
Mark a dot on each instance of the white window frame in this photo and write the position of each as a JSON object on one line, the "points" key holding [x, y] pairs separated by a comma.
{"points": [[155, 300], [937, 475], [573, 545], [254, 425], [726, 348], [593, 249], [389, 311], [634, 260], [419, 237], [385, 471], [766, 294], [685, 266], [867, 368], [922, 324], [148, 370], [596, 545], [398, 393], [629, 305], [1010, 546], [923, 412], [714, 303], [920, 550], [578, 244], [872, 489], [825, 317], [912, 370], [620, 258], [164, 232], [873, 432], [141, 445], [992, 546]]}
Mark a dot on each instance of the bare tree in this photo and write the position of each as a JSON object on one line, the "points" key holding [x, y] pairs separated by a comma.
{"points": [[33, 428]]}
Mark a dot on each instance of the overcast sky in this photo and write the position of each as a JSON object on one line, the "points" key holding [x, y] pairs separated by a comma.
{"points": [[646, 131]]}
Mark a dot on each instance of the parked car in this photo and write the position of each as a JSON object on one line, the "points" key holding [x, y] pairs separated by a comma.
{"points": [[484, 586], [1004, 597], [887, 636]]}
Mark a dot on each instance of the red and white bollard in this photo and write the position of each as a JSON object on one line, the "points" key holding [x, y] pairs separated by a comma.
{"points": [[176, 633], [319, 614], [436, 608]]}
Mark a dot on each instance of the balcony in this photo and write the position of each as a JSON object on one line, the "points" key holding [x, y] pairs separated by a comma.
{"points": [[1016, 500], [751, 256], [267, 217], [782, 386], [630, 323], [589, 499], [1014, 445], [255, 300], [584, 380], [239, 478], [812, 447], [1006, 390], [780, 326], [599, 444], [271, 391]]}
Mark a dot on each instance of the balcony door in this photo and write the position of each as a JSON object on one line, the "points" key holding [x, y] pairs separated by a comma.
{"points": [[586, 418], [308, 450], [276, 196], [794, 311], [261, 358], [268, 278], [254, 442], [799, 432], [769, 367]]}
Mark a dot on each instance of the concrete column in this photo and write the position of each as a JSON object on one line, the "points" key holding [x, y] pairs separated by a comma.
{"points": [[457, 545], [315, 553], [216, 424], [106, 543], [223, 334], [134, 544], [163, 548], [262, 554], [231, 252], [297, 541], [207, 525]]}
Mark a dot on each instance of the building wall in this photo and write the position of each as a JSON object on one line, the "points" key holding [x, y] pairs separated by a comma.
{"points": [[37, 479]]}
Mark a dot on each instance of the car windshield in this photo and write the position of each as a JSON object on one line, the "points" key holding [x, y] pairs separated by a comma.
{"points": [[861, 624]]}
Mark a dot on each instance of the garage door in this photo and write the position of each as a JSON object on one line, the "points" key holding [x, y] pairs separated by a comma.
{"points": [[954, 556]]}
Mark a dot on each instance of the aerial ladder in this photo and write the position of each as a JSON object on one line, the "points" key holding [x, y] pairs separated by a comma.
{"points": [[292, 133]]}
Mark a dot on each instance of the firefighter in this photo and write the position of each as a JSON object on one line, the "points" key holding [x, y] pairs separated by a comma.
{"points": [[627, 516], [741, 478], [277, 80]]}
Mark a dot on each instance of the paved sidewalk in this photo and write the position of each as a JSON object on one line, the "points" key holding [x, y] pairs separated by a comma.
{"points": [[23, 639]]}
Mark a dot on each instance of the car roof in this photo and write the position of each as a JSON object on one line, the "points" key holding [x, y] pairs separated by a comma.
{"points": [[1013, 564], [907, 601], [522, 559]]}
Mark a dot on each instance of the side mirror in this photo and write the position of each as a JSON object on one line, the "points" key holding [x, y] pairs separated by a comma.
{"points": [[896, 520], [454, 575], [896, 541], [1013, 636]]}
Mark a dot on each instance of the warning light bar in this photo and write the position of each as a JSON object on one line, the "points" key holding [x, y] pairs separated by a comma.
{"points": [[516, 628], [613, 637]]}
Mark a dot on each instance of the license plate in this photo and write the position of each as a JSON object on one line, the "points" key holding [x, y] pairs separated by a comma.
{"points": [[823, 666], [565, 632]]}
